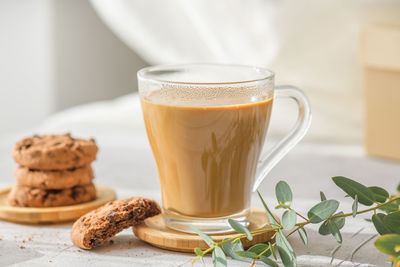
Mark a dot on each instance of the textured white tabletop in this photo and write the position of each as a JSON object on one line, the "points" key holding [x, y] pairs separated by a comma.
{"points": [[125, 163], [130, 170]]}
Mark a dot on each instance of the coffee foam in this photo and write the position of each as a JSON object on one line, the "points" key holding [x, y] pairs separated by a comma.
{"points": [[192, 95]]}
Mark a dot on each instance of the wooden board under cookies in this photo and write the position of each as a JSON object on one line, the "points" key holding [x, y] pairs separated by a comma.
{"points": [[154, 232], [52, 214]]}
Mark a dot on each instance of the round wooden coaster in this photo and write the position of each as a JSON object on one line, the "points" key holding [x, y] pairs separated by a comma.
{"points": [[154, 232], [53, 214]]}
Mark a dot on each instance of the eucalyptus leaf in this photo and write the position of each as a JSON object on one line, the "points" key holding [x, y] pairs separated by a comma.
{"points": [[387, 244], [268, 261], [322, 195], [219, 258], [246, 254], [391, 207], [303, 235], [335, 231], [380, 194], [283, 193], [259, 248], [198, 251], [380, 226], [285, 250], [340, 221], [231, 248], [392, 220], [269, 213], [204, 236], [286, 257], [272, 249], [322, 211], [352, 188], [324, 229], [240, 228], [289, 218], [355, 206]]}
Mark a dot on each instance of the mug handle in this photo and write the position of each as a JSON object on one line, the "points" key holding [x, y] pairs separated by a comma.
{"points": [[295, 135]]}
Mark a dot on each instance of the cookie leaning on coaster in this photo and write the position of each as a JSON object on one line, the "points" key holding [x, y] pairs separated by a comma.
{"points": [[54, 179], [96, 227], [54, 152], [24, 196]]}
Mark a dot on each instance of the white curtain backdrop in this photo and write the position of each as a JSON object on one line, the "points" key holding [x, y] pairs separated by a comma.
{"points": [[312, 44]]}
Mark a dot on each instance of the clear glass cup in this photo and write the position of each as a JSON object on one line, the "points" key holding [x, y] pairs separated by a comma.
{"points": [[206, 125]]}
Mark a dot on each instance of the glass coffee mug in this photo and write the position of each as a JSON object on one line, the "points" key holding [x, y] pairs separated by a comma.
{"points": [[207, 124]]}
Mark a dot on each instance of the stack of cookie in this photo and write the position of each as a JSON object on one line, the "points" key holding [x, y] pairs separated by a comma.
{"points": [[54, 171]]}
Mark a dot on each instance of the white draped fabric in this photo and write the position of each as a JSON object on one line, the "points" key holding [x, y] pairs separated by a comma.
{"points": [[312, 44]]}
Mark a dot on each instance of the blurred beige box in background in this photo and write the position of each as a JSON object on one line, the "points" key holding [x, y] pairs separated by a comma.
{"points": [[381, 63]]}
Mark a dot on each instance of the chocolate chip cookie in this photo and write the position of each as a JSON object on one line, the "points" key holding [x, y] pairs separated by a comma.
{"points": [[54, 179], [96, 227], [54, 152], [24, 196]]}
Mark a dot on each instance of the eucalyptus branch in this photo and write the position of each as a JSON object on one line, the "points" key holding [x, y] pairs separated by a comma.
{"points": [[324, 213], [239, 236]]}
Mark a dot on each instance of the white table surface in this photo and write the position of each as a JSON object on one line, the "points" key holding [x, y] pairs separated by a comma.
{"points": [[125, 163]]}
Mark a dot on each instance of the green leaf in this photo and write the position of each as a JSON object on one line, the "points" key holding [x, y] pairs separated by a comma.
{"points": [[258, 248], [352, 188], [335, 231], [380, 226], [283, 193], [198, 252], [380, 194], [322, 195], [286, 257], [219, 258], [324, 229], [268, 261], [392, 220], [355, 206], [246, 254], [387, 244], [398, 187], [340, 221], [269, 213], [391, 207], [272, 249], [289, 218], [230, 249], [204, 236], [286, 252], [303, 235], [240, 228], [322, 211]]}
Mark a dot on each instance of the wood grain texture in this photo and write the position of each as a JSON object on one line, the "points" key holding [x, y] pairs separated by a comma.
{"points": [[154, 232], [53, 214]]}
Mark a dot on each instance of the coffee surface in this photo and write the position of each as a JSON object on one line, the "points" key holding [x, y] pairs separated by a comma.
{"points": [[206, 147]]}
